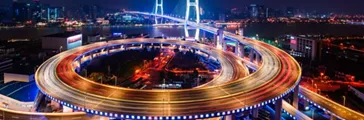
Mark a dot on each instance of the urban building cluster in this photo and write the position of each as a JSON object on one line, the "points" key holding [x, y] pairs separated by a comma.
{"points": [[38, 13]]}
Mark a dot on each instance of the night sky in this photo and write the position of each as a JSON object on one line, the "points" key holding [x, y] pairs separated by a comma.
{"points": [[338, 6]]}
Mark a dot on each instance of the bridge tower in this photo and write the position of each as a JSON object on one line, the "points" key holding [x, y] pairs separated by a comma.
{"points": [[158, 9], [195, 4]]}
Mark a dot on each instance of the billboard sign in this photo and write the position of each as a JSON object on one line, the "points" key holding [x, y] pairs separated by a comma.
{"points": [[74, 41]]}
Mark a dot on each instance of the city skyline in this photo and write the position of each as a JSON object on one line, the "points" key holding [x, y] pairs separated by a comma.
{"points": [[336, 6]]}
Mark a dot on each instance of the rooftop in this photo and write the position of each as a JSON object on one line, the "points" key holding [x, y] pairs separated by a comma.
{"points": [[64, 34], [22, 91]]}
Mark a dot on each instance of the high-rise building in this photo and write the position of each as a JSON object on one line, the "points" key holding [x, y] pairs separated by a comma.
{"points": [[309, 46], [5, 13], [290, 12], [36, 11], [253, 11], [256, 11], [222, 17], [261, 11], [44, 12], [54, 13], [21, 11]]}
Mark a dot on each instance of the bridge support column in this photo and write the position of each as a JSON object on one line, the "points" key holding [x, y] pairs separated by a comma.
{"points": [[224, 45], [257, 57], [241, 31], [305, 104], [161, 46], [80, 61], [158, 8], [242, 51], [295, 97], [91, 55], [194, 4], [204, 35], [251, 55], [278, 109], [108, 51], [255, 113], [237, 47], [230, 117], [220, 39]]}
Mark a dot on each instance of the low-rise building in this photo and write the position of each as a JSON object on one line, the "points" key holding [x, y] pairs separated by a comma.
{"points": [[309, 46], [93, 38], [5, 64], [62, 41]]}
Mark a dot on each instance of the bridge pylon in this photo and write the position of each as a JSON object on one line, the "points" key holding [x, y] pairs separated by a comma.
{"points": [[195, 4], [158, 9]]}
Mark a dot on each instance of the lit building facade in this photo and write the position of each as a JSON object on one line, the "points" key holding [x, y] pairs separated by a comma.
{"points": [[309, 46]]}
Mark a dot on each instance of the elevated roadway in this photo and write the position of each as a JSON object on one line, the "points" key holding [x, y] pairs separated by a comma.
{"points": [[277, 76], [58, 80], [7, 114], [330, 106]]}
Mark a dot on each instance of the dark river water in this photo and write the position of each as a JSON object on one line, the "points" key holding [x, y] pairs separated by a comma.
{"points": [[264, 29]]}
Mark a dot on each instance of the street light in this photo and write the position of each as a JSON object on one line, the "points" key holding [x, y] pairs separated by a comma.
{"points": [[60, 49], [85, 70], [316, 87], [344, 99]]}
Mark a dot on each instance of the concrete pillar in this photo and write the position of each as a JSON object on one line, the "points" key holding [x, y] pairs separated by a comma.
{"points": [[161, 45], [204, 34], [215, 42], [242, 51], [220, 39], [332, 117], [241, 31], [305, 104], [80, 61], [278, 109], [108, 51], [91, 55], [230, 117], [257, 57], [251, 55], [255, 113], [295, 97], [237, 47], [224, 45]]}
